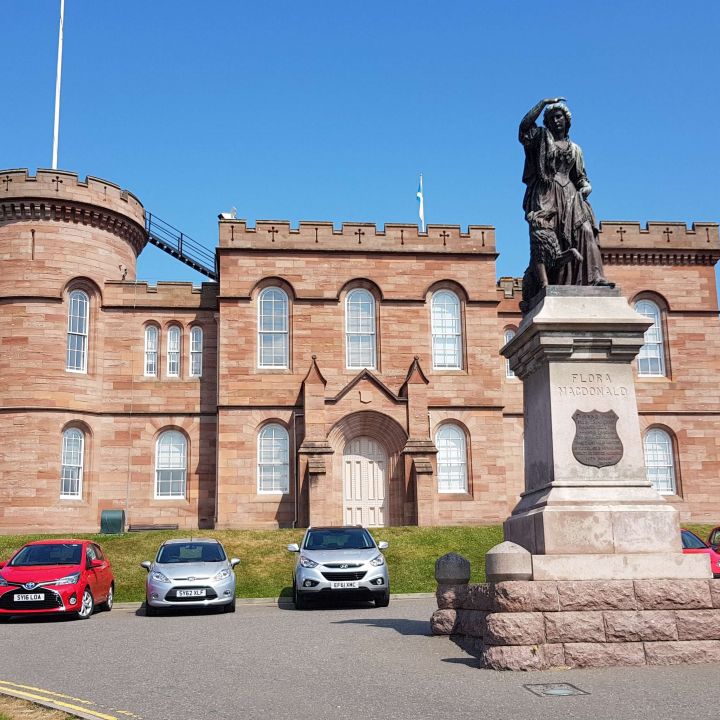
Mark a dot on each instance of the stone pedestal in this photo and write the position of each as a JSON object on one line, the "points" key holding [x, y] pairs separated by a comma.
{"points": [[588, 511], [538, 625]]}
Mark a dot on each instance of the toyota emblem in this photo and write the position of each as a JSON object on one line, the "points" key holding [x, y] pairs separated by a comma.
{"points": [[30, 586], [191, 579]]}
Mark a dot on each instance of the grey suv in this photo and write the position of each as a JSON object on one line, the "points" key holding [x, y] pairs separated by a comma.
{"points": [[340, 561]]}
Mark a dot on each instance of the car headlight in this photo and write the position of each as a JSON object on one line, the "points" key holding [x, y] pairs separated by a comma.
{"points": [[67, 580], [159, 577], [223, 574], [3, 581], [379, 560], [307, 562]]}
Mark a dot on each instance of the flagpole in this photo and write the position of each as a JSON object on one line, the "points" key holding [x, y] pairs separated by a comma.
{"points": [[56, 129]]}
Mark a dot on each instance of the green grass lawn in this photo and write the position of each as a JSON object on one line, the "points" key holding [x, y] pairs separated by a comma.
{"points": [[266, 565]]}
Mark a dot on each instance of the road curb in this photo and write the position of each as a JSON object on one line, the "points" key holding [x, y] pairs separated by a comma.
{"points": [[281, 601], [73, 711]]}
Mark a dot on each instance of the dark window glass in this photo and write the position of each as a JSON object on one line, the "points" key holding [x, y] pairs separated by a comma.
{"points": [[53, 554], [340, 539], [692, 542]]}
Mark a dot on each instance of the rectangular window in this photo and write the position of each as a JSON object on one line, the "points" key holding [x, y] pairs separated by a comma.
{"points": [[151, 351], [71, 471], [77, 332], [173, 352], [196, 343]]}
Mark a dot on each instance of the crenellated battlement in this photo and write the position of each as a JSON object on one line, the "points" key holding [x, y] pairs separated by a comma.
{"points": [[356, 237], [61, 195], [617, 234]]}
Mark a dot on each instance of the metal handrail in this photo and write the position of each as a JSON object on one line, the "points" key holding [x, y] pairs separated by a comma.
{"points": [[176, 243]]}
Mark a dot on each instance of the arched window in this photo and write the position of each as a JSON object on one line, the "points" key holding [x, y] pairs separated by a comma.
{"points": [[173, 351], [273, 328], [360, 329], [651, 359], [273, 453], [659, 461], [446, 331], [451, 459], [509, 335], [77, 331], [196, 351], [170, 465], [151, 351], [71, 471]]}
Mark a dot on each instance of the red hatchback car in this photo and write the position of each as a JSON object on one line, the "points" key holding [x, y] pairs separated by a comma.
{"points": [[693, 544], [56, 576]]}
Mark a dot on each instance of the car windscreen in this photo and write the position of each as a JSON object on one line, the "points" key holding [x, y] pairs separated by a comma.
{"points": [[340, 539], [190, 552], [48, 554], [692, 542]]}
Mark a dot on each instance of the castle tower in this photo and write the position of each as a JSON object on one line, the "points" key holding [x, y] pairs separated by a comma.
{"points": [[61, 240]]}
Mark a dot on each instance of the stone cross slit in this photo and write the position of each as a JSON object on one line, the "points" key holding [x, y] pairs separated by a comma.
{"points": [[359, 232], [667, 232], [273, 231], [444, 235], [7, 180], [621, 232], [57, 182]]}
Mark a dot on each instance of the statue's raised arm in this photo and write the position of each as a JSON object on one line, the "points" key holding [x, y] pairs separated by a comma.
{"points": [[563, 231]]}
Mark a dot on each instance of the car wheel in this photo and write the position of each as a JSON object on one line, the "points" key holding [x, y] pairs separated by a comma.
{"points": [[382, 600], [150, 611], [87, 605], [299, 598], [110, 599], [230, 607]]}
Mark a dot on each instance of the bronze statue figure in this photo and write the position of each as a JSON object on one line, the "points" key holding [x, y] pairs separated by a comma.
{"points": [[563, 232]]}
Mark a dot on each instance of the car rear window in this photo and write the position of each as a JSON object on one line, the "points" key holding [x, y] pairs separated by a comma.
{"points": [[692, 542], [340, 539], [190, 552], [48, 554]]}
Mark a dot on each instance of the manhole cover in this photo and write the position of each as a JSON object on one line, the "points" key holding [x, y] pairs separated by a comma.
{"points": [[554, 689]]}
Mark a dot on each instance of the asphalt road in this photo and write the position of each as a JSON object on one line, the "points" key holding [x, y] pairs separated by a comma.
{"points": [[333, 662]]}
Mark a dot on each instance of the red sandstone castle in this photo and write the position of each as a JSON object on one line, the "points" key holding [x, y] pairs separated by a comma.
{"points": [[329, 376]]}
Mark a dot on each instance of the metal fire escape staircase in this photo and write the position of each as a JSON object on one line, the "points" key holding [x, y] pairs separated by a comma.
{"points": [[180, 246]]}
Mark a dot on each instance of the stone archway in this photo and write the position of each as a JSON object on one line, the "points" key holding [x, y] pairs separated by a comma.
{"points": [[371, 442]]}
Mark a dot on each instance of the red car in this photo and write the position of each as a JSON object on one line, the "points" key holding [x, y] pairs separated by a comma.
{"points": [[693, 544], [56, 576]]}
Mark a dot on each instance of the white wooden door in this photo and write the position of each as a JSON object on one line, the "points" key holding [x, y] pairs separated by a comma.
{"points": [[364, 480]]}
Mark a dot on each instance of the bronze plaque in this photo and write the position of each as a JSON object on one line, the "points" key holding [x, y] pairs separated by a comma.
{"points": [[596, 440]]}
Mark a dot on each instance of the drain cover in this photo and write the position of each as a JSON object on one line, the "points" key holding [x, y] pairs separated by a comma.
{"points": [[554, 689]]}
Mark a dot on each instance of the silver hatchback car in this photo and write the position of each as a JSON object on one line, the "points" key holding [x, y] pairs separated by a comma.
{"points": [[190, 573], [340, 561]]}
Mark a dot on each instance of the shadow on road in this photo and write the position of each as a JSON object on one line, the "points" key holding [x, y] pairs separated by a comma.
{"points": [[403, 626]]}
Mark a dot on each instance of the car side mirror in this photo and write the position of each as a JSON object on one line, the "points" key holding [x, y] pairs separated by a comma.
{"points": [[96, 563], [146, 564], [2, 565], [382, 545], [234, 562], [293, 547]]}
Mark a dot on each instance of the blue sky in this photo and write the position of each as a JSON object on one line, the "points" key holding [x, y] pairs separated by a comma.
{"points": [[324, 110]]}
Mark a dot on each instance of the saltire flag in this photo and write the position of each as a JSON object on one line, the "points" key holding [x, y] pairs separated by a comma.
{"points": [[421, 208]]}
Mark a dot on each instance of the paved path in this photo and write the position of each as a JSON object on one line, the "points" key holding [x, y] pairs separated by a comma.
{"points": [[271, 663]]}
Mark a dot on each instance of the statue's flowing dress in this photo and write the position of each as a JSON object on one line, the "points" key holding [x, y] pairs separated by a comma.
{"points": [[554, 174]]}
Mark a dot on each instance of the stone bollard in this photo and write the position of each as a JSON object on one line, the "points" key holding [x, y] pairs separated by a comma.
{"points": [[508, 561], [452, 573]]}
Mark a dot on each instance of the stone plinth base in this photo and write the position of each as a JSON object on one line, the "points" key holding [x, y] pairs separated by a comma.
{"points": [[536, 625]]}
